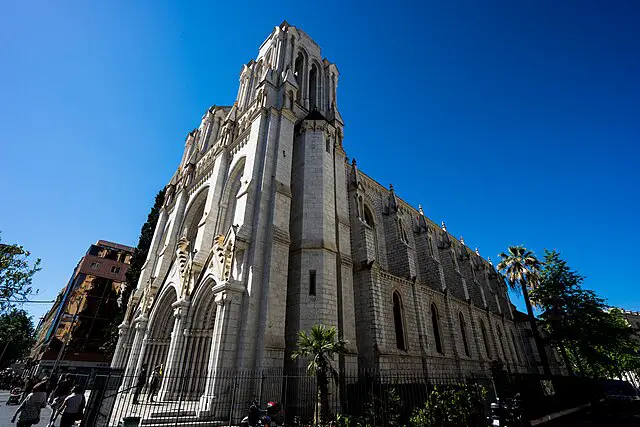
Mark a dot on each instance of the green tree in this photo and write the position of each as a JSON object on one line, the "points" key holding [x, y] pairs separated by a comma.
{"points": [[520, 267], [15, 275], [321, 344], [592, 338], [133, 272], [16, 336], [142, 249]]}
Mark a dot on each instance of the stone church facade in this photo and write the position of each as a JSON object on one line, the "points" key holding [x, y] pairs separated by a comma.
{"points": [[267, 229]]}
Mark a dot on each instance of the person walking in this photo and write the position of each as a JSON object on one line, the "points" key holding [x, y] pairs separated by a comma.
{"points": [[140, 383], [31, 406], [154, 382], [72, 408], [29, 382], [62, 390]]}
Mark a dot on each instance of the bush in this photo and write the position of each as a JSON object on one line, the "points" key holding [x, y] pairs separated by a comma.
{"points": [[384, 410], [343, 420], [451, 407]]}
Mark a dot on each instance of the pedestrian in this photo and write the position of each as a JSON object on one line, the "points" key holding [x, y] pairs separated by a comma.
{"points": [[73, 407], [56, 399], [154, 382], [31, 406], [53, 383], [29, 382], [140, 383]]}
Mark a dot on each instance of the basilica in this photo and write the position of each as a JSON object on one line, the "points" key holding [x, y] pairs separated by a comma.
{"points": [[269, 228]]}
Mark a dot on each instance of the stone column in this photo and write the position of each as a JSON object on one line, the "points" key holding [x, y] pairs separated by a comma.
{"points": [[136, 356], [223, 347], [117, 361], [171, 378]]}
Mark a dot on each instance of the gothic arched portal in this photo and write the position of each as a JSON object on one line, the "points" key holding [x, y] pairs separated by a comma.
{"points": [[198, 341], [160, 327]]}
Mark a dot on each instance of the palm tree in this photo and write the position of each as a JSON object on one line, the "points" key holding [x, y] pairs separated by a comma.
{"points": [[321, 343], [520, 268]]}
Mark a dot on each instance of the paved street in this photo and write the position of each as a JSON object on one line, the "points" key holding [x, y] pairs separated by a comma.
{"points": [[597, 418], [6, 412]]}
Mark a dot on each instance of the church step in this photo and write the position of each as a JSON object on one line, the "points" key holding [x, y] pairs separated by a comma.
{"points": [[179, 421], [180, 413], [183, 422]]}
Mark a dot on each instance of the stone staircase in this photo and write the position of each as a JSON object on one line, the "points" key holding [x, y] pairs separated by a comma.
{"points": [[180, 418]]}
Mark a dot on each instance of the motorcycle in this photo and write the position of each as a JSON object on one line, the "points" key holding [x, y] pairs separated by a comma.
{"points": [[257, 416], [507, 413]]}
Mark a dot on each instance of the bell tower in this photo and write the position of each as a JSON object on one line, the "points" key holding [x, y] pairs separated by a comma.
{"points": [[286, 105]]}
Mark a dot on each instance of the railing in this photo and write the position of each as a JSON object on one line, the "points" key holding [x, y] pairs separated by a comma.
{"points": [[374, 398]]}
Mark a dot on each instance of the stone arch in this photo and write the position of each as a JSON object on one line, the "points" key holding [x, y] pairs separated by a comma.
{"points": [[194, 213], [368, 216], [402, 232], [398, 321], [501, 341], [202, 298], [485, 340], [300, 70], [163, 239], [200, 324], [437, 331], [515, 345], [315, 85], [230, 195], [161, 323], [463, 333]]}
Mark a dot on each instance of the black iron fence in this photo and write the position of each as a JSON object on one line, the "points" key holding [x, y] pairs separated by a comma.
{"points": [[372, 398], [376, 398]]}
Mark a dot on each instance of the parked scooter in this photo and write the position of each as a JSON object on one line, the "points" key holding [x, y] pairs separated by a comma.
{"points": [[507, 412], [257, 416]]}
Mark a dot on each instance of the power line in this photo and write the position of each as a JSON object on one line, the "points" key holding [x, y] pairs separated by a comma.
{"points": [[31, 301]]}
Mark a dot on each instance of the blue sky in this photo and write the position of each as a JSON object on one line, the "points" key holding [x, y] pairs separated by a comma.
{"points": [[514, 122]]}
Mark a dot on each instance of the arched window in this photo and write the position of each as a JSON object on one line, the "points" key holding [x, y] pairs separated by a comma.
{"points": [[299, 72], [500, 338], [436, 328], [232, 189], [164, 237], [453, 260], [403, 233], [430, 245], [487, 348], [313, 87], [192, 231], [368, 217], [463, 332], [192, 218], [515, 346], [398, 319]]}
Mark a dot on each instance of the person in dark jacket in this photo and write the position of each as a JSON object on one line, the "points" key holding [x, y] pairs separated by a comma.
{"points": [[154, 382], [140, 382], [29, 382]]}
